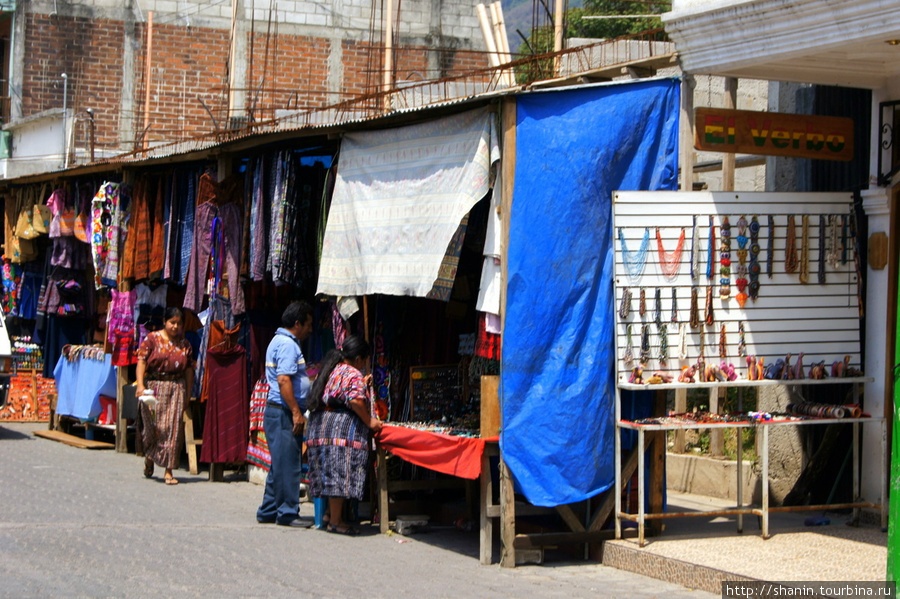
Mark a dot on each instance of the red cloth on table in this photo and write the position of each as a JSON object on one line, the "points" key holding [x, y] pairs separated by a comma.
{"points": [[456, 456]]}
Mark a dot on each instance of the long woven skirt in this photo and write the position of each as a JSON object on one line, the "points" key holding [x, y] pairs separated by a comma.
{"points": [[338, 452], [163, 436]]}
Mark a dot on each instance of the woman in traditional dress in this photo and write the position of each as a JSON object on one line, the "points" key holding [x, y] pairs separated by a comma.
{"points": [[339, 429], [165, 365]]}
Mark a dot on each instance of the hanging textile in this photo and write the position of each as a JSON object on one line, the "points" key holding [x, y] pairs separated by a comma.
{"points": [[399, 197], [83, 374], [573, 149], [157, 230], [214, 202], [259, 247], [226, 424], [120, 327], [179, 213], [109, 225], [258, 446], [491, 279]]}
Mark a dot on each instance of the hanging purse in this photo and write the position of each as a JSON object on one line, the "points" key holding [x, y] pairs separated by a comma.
{"points": [[41, 218], [24, 229], [83, 220], [23, 225], [67, 221]]}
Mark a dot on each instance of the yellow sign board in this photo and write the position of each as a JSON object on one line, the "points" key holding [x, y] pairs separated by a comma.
{"points": [[773, 134]]}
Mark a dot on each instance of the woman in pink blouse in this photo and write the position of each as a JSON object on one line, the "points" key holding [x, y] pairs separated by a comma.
{"points": [[165, 365]]}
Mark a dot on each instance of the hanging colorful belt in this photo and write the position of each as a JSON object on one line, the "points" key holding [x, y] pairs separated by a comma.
{"points": [[754, 268], [725, 260]]}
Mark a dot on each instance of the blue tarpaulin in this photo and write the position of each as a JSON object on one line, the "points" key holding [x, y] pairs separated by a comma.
{"points": [[573, 149]]}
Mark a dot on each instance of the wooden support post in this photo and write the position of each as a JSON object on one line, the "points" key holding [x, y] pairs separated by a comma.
{"points": [[485, 545], [686, 134], [507, 518], [728, 158], [381, 470], [121, 423], [191, 442], [657, 463], [680, 408]]}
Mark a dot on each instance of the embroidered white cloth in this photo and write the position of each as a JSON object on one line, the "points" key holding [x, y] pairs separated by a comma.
{"points": [[399, 197]]}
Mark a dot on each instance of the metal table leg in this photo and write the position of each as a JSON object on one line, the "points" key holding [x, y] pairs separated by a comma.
{"points": [[765, 482], [640, 447]]}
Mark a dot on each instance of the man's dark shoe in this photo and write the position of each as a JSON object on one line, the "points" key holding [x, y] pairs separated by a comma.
{"points": [[266, 520], [297, 523]]}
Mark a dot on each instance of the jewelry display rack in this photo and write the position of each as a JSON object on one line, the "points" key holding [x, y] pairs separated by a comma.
{"points": [[743, 280], [763, 426]]}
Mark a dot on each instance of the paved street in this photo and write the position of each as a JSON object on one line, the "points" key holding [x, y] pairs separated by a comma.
{"points": [[85, 523]]}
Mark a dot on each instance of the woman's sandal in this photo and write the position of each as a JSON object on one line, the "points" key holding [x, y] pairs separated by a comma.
{"points": [[171, 480], [148, 467], [352, 532]]}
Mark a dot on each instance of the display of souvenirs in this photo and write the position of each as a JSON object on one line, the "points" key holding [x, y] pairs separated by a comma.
{"points": [[730, 249], [28, 399]]}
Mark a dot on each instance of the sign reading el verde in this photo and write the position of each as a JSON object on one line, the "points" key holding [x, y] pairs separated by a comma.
{"points": [[773, 134]]}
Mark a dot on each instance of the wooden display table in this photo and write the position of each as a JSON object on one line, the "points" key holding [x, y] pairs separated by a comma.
{"points": [[764, 426]]}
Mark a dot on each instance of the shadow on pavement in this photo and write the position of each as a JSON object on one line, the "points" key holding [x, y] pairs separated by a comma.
{"points": [[11, 435]]}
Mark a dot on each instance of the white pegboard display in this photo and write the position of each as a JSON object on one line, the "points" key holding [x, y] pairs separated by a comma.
{"points": [[805, 283]]}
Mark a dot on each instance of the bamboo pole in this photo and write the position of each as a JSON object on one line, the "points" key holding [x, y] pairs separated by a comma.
{"points": [[557, 35], [502, 52], [149, 72], [488, 34], [388, 51]]}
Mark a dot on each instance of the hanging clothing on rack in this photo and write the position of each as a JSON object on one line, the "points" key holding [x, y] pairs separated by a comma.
{"points": [[109, 218], [217, 205], [226, 425], [120, 328], [157, 231], [219, 337], [259, 217]]}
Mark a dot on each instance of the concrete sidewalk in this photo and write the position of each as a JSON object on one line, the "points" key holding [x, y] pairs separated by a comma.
{"points": [[86, 523], [703, 551]]}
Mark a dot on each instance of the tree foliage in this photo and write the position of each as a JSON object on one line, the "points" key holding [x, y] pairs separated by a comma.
{"points": [[612, 28]]}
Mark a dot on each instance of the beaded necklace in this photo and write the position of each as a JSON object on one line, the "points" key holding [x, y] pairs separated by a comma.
{"points": [[742, 240], [754, 258], [804, 251], [682, 341], [625, 306], [657, 311], [820, 275], [834, 249], [725, 260], [790, 248], [844, 225], [636, 260], [742, 342], [723, 349], [669, 262], [770, 250], [642, 303], [695, 310], [709, 305], [695, 248], [854, 239], [663, 344], [710, 248], [674, 317], [628, 358], [645, 343]]}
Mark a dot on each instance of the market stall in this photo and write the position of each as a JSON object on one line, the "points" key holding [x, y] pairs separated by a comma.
{"points": [[742, 290]]}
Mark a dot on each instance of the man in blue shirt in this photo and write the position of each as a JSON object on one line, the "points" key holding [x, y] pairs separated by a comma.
{"points": [[284, 420]]}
